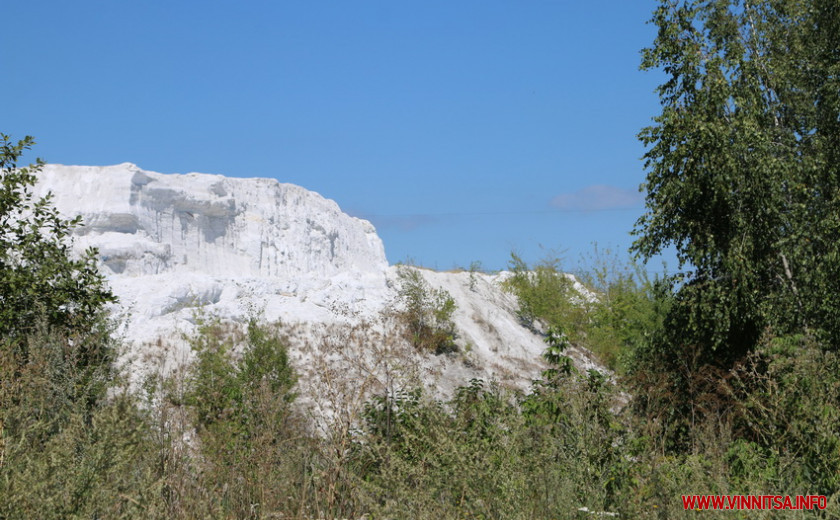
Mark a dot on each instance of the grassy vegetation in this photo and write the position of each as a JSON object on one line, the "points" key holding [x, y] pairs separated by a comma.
{"points": [[727, 375], [227, 438], [232, 435], [612, 309]]}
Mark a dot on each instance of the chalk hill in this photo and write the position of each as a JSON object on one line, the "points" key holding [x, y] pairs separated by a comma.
{"points": [[171, 244]]}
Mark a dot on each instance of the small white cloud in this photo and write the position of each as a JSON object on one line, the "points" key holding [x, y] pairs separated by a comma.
{"points": [[598, 197]]}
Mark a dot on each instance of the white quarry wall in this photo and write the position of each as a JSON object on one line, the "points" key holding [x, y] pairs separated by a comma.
{"points": [[149, 223], [236, 248]]}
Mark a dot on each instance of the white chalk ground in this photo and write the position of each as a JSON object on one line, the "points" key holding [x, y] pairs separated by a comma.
{"points": [[174, 246]]}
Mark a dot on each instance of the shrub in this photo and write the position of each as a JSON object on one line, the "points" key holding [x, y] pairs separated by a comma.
{"points": [[426, 313], [787, 397], [67, 450], [249, 436], [629, 309], [227, 390], [72, 443], [619, 313], [481, 455], [546, 296], [40, 279]]}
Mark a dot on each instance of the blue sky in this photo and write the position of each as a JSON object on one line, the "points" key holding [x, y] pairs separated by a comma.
{"points": [[463, 130]]}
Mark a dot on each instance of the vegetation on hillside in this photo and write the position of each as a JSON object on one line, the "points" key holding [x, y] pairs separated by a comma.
{"points": [[426, 313], [726, 374]]}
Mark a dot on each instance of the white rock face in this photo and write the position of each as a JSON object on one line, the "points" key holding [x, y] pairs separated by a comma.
{"points": [[148, 223], [235, 248]]}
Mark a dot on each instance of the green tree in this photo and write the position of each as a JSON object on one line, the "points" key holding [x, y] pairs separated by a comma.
{"points": [[69, 447], [239, 397], [240, 387], [743, 167], [40, 278]]}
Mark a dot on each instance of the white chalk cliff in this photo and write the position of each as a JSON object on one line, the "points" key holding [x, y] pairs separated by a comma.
{"points": [[237, 247]]}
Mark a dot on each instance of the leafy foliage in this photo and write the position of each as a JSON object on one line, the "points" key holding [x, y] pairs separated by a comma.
{"points": [[68, 449], [788, 403], [743, 182], [742, 167], [545, 295], [560, 365], [619, 312], [491, 453], [62, 456], [426, 313], [226, 390], [628, 311], [39, 277]]}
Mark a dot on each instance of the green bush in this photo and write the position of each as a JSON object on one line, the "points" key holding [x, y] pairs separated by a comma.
{"points": [[619, 314], [480, 455], [546, 295], [228, 390], [40, 279], [67, 449], [73, 444], [787, 399], [426, 313], [240, 388], [628, 311]]}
